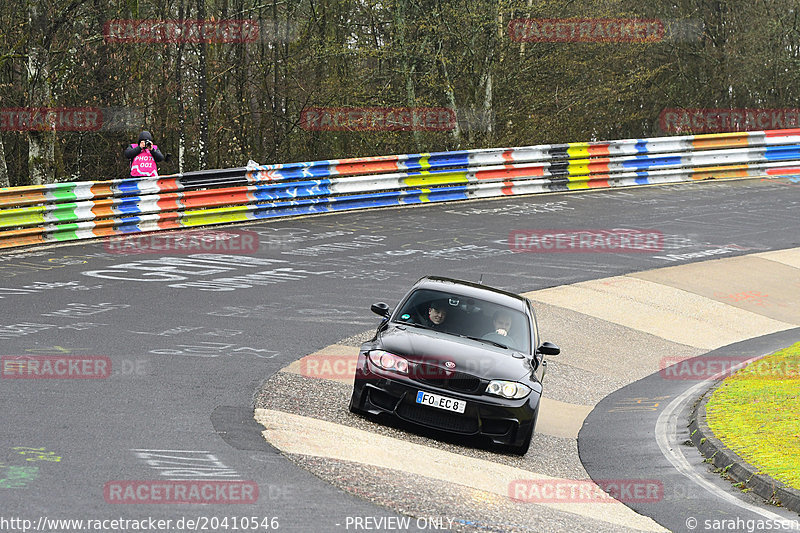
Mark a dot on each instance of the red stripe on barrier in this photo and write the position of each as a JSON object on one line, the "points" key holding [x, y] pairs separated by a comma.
{"points": [[598, 182], [217, 197], [782, 133], [599, 149], [357, 168], [509, 172], [168, 184], [600, 165], [169, 202], [782, 171]]}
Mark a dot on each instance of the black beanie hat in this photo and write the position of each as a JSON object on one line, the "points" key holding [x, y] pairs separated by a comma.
{"points": [[145, 136]]}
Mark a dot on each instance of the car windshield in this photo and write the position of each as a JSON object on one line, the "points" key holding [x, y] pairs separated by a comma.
{"points": [[477, 319]]}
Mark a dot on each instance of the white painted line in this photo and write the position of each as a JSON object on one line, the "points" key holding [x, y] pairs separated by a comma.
{"points": [[666, 437], [179, 451]]}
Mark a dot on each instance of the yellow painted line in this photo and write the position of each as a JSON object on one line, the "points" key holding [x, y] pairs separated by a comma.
{"points": [[672, 314], [295, 434]]}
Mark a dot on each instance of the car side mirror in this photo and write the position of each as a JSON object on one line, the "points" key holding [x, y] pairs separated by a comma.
{"points": [[548, 348], [381, 309]]}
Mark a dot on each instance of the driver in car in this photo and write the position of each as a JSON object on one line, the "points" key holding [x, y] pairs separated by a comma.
{"points": [[437, 315], [502, 323]]}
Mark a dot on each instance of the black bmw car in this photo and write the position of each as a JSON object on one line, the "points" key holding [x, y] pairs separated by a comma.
{"points": [[458, 357]]}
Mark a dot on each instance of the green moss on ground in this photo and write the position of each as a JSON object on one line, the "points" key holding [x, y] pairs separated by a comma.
{"points": [[756, 413]]}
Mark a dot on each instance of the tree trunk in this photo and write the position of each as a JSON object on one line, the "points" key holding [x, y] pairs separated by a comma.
{"points": [[202, 98], [4, 181], [41, 144], [179, 102], [451, 97]]}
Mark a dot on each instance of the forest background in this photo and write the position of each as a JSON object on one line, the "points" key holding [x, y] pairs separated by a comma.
{"points": [[214, 104]]}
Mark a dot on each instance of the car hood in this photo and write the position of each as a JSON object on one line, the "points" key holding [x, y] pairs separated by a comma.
{"points": [[480, 359]]}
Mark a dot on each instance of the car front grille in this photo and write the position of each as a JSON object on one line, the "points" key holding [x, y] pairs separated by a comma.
{"points": [[446, 379], [437, 418]]}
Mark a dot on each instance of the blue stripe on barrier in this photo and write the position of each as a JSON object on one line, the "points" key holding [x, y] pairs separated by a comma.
{"points": [[127, 186], [128, 224], [450, 159], [130, 205], [644, 161], [297, 189], [782, 153]]}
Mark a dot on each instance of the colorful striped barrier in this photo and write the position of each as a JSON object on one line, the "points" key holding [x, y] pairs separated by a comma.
{"points": [[69, 211]]}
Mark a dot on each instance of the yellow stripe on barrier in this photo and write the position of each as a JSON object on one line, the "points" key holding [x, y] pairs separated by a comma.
{"points": [[578, 168], [438, 178], [24, 216], [424, 162], [578, 149], [215, 216]]}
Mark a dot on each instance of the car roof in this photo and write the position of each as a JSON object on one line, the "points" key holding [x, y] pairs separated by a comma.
{"points": [[474, 290]]}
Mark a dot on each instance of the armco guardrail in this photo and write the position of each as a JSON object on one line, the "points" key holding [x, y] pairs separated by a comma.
{"points": [[81, 210]]}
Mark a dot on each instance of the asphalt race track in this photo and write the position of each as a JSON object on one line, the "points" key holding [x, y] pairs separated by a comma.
{"points": [[195, 342]]}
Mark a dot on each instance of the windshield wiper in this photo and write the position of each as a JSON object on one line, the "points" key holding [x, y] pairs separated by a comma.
{"points": [[485, 340], [423, 326]]}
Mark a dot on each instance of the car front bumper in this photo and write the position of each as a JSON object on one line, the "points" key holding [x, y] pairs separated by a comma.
{"points": [[505, 422]]}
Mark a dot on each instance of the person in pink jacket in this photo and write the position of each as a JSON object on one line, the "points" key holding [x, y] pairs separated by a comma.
{"points": [[144, 156]]}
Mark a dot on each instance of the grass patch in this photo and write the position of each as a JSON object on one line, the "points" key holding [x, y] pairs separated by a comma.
{"points": [[756, 413]]}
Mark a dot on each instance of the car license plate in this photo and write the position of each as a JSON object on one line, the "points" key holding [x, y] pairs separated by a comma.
{"points": [[442, 402]]}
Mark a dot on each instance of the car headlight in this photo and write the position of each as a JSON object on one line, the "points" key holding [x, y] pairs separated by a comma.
{"points": [[508, 389], [388, 361]]}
